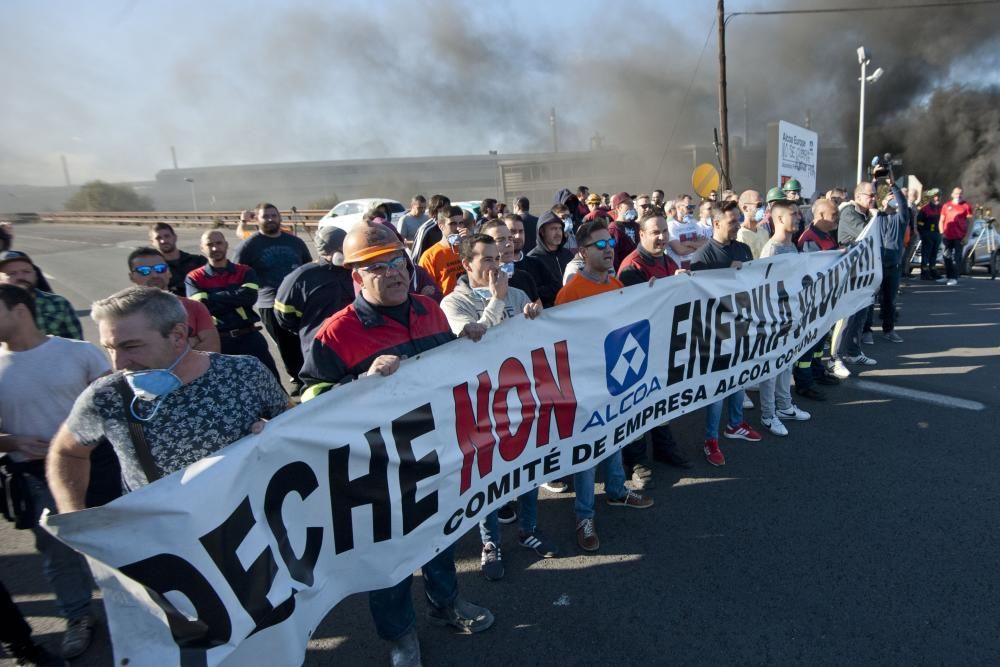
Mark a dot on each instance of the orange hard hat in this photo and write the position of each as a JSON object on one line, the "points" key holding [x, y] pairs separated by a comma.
{"points": [[366, 242]]}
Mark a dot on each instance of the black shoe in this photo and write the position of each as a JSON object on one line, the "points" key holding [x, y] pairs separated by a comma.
{"points": [[810, 393], [507, 514], [464, 616], [405, 651], [672, 458], [828, 379]]}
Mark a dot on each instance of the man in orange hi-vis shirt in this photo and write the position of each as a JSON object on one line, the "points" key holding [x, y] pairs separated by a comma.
{"points": [[441, 260], [598, 251]]}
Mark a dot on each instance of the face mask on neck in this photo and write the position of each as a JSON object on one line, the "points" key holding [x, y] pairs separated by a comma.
{"points": [[508, 268], [483, 293], [630, 215], [151, 386], [956, 200], [454, 239]]}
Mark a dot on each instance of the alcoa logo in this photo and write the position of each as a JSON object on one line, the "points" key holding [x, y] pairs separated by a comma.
{"points": [[626, 353]]}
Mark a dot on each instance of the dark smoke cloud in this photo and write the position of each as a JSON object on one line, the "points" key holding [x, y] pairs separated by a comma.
{"points": [[403, 79]]}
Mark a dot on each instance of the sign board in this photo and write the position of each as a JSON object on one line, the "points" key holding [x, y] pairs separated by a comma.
{"points": [[792, 152], [704, 179]]}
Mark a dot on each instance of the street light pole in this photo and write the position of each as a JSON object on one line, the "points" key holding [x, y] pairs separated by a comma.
{"points": [[194, 200], [864, 58]]}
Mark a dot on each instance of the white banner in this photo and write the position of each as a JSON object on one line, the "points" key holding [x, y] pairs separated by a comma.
{"points": [[798, 150], [237, 559]]}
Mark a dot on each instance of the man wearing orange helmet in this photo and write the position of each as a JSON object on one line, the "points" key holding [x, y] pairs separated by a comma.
{"points": [[385, 324]]}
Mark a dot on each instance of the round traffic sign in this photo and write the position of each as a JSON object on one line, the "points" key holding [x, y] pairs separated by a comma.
{"points": [[704, 179]]}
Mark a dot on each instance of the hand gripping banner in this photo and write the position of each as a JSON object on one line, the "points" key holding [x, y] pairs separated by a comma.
{"points": [[236, 559]]}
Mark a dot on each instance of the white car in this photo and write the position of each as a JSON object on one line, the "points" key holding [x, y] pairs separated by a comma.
{"points": [[347, 214]]}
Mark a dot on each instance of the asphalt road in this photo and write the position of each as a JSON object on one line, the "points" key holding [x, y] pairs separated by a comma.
{"points": [[865, 537]]}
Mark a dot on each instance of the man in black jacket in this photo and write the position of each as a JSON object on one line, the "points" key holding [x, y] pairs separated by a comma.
{"points": [[547, 261]]}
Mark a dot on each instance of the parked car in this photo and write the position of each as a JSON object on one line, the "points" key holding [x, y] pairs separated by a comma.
{"points": [[983, 249], [347, 214], [470, 206]]}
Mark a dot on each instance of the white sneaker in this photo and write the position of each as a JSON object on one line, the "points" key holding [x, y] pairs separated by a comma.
{"points": [[951, 282], [774, 425], [747, 403], [840, 370], [794, 413], [861, 359]]}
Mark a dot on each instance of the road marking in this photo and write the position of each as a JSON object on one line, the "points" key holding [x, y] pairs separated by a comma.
{"points": [[917, 395], [690, 481], [923, 370]]}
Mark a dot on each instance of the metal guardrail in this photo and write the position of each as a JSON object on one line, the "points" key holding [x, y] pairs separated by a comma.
{"points": [[181, 218]]}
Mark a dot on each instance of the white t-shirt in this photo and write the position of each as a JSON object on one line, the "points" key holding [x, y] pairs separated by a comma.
{"points": [[39, 386], [686, 231]]}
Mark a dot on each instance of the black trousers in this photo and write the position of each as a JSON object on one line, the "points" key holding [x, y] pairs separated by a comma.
{"points": [[663, 443], [252, 344], [930, 243], [13, 628], [289, 344]]}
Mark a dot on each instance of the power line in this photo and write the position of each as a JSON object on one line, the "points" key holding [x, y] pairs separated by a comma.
{"points": [[687, 92], [922, 5]]}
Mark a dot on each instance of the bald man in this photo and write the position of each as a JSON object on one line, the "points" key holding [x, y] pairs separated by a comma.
{"points": [[229, 291], [751, 231]]}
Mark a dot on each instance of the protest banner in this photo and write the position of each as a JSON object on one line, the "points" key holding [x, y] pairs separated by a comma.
{"points": [[236, 559]]}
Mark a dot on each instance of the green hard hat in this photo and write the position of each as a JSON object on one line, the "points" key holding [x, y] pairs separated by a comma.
{"points": [[775, 195], [792, 185]]}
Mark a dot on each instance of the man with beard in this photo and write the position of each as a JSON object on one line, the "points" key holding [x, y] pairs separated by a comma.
{"points": [[384, 325], [548, 261], [53, 313], [181, 263], [229, 291], [723, 251], [273, 255]]}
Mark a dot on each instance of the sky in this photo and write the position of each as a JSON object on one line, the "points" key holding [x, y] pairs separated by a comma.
{"points": [[113, 84]]}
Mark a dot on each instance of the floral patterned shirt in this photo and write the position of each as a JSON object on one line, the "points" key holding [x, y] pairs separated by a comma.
{"points": [[194, 421]]}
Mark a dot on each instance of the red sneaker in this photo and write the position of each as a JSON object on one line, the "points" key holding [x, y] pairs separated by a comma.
{"points": [[742, 432], [713, 453]]}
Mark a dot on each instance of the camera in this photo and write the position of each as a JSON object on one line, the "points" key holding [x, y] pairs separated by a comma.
{"points": [[881, 167]]}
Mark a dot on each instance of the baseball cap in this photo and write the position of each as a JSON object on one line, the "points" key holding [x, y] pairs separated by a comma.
{"points": [[13, 256], [619, 198]]}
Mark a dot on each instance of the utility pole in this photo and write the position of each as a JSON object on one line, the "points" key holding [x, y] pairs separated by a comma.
{"points": [[65, 167], [723, 104], [173, 154], [555, 132], [746, 118]]}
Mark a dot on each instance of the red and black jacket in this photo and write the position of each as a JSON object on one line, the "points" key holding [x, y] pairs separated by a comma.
{"points": [[639, 266], [349, 341], [813, 240], [228, 293]]}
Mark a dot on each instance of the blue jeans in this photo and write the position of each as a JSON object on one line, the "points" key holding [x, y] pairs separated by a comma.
{"points": [[714, 411], [65, 569], [583, 482], [392, 608], [527, 516]]}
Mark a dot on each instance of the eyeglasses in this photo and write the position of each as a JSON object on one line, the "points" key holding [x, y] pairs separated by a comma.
{"points": [[866, 194], [381, 268], [147, 271], [602, 244]]}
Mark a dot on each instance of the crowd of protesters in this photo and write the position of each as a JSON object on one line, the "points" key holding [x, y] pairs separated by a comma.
{"points": [[192, 372]]}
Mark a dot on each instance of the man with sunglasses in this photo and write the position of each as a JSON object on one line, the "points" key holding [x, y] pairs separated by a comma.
{"points": [[598, 251], [229, 291], [148, 268], [385, 324]]}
